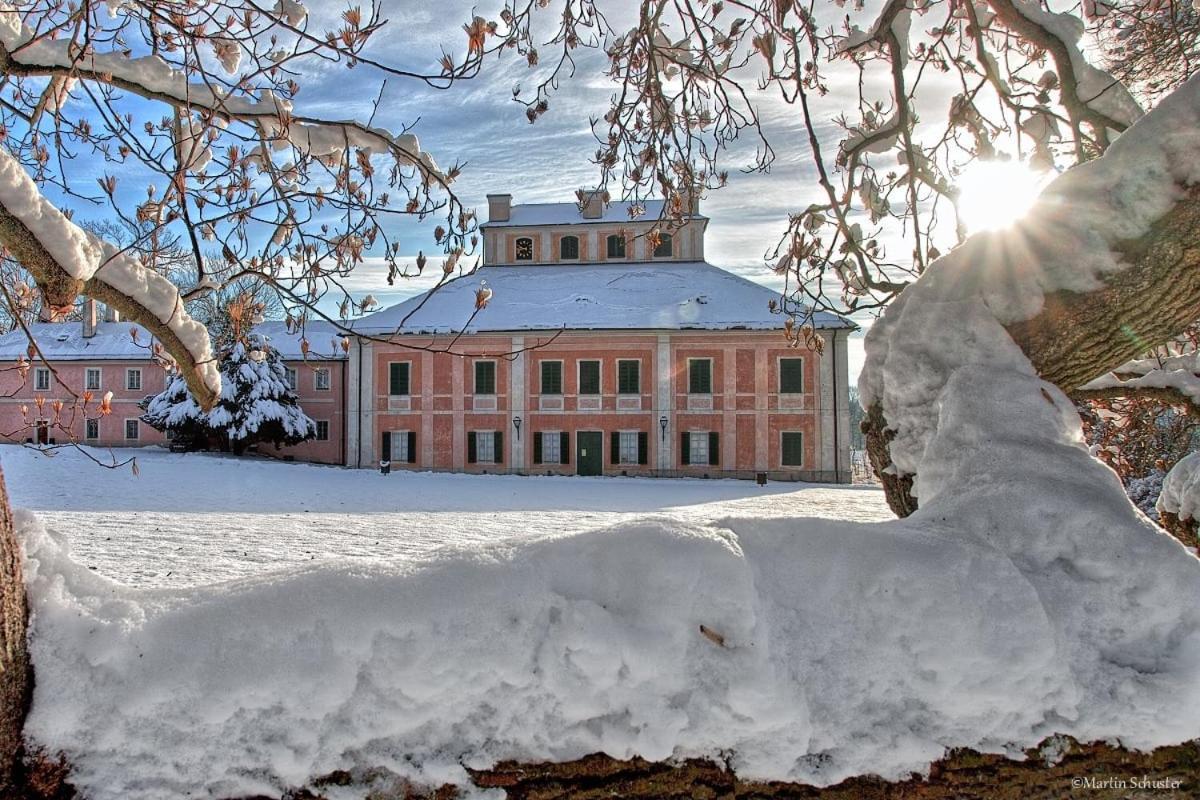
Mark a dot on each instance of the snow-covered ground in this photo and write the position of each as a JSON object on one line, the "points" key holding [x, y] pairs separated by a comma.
{"points": [[191, 519]]}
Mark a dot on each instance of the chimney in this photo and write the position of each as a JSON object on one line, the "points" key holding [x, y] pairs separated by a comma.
{"points": [[89, 318], [111, 314], [499, 207], [591, 202]]}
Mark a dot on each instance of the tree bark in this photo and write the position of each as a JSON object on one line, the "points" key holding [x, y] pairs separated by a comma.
{"points": [[1079, 336], [16, 672]]}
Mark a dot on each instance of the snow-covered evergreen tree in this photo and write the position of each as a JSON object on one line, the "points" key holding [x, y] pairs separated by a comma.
{"points": [[256, 403]]}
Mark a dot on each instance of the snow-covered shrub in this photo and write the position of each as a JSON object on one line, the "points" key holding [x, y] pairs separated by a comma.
{"points": [[256, 403]]}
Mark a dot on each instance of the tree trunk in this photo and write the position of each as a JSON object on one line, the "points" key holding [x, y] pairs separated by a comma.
{"points": [[1078, 337], [16, 673]]}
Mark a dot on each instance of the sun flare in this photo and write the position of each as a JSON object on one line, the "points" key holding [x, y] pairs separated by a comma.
{"points": [[995, 194]]}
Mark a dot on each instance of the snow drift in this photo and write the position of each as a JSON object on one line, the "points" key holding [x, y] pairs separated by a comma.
{"points": [[1027, 597]]}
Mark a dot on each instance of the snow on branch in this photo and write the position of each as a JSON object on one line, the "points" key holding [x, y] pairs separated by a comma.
{"points": [[154, 78], [68, 259], [1083, 234]]}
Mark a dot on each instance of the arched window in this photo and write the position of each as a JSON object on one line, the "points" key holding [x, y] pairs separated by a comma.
{"points": [[616, 246], [524, 249], [665, 246], [568, 248]]}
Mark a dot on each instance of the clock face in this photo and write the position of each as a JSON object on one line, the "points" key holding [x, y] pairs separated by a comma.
{"points": [[524, 249]]}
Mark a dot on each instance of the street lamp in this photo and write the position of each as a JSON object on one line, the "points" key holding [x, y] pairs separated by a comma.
{"points": [[517, 425], [662, 423]]}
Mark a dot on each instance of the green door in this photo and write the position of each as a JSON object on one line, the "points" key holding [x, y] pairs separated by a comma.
{"points": [[588, 454]]}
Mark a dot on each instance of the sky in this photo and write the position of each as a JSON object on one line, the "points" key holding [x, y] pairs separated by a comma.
{"points": [[476, 123]]}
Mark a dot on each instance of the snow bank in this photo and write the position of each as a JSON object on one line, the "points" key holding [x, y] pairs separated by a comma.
{"points": [[1181, 489], [848, 648]]}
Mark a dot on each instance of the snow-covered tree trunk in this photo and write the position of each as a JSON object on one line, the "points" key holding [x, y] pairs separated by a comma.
{"points": [[1079, 336], [16, 682]]}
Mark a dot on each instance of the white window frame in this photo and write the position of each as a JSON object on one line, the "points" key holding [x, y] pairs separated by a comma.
{"points": [[693, 449], [562, 377], [41, 375], [87, 426], [671, 254], [317, 426], [490, 436], [129, 373], [578, 247], [551, 440], [88, 373], [599, 377], [289, 377], [138, 428], [624, 247], [399, 447], [637, 361], [710, 376], [779, 375], [410, 377], [791, 466], [475, 378], [627, 453], [317, 373]]}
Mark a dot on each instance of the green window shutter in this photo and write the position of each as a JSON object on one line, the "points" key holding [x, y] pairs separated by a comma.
{"points": [[398, 379], [793, 449], [564, 448], [537, 448], [791, 375], [568, 247], [471, 447], [412, 447], [485, 377], [385, 452], [499, 447], [616, 246], [614, 448], [551, 377], [685, 448], [643, 447], [628, 377], [589, 377], [714, 449], [700, 376]]}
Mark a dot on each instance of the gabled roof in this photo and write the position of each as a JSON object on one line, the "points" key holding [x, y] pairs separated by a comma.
{"points": [[626, 296], [64, 341], [529, 214], [324, 340]]}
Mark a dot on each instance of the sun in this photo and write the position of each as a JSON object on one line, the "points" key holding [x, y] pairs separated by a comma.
{"points": [[995, 194]]}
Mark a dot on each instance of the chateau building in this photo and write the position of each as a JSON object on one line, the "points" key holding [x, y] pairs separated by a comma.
{"points": [[596, 353]]}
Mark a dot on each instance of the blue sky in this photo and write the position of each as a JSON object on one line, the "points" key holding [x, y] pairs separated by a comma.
{"points": [[476, 123]]}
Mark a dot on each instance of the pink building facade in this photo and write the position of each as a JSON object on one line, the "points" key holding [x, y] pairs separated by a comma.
{"points": [[597, 354], [98, 356]]}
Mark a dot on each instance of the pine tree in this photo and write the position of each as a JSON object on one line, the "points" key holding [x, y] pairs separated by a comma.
{"points": [[256, 403]]}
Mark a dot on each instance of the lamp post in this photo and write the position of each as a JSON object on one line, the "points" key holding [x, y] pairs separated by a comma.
{"points": [[662, 423], [517, 425]]}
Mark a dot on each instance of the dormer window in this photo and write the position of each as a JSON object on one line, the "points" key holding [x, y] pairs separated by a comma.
{"points": [[616, 246], [524, 249], [665, 246], [568, 248]]}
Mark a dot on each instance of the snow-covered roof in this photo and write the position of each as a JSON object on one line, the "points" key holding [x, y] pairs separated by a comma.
{"points": [[626, 296], [64, 341], [324, 339], [568, 214]]}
